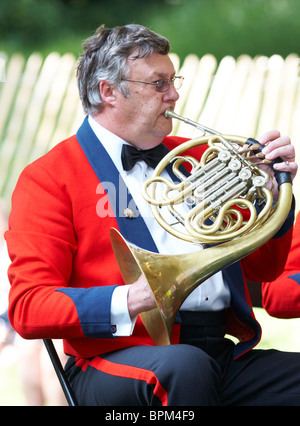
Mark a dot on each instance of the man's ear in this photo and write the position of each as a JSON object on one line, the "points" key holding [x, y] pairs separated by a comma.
{"points": [[107, 91]]}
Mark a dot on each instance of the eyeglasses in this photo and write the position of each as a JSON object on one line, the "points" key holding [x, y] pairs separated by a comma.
{"points": [[162, 85]]}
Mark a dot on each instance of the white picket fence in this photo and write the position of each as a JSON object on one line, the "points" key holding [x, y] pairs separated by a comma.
{"points": [[40, 106]]}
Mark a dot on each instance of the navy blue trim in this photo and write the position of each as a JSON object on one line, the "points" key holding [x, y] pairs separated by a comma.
{"points": [[295, 277], [93, 309], [133, 230], [234, 277]]}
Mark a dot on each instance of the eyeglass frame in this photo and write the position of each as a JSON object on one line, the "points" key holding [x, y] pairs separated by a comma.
{"points": [[156, 83]]}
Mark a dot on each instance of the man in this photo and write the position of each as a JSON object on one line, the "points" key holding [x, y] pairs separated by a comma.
{"points": [[65, 280]]}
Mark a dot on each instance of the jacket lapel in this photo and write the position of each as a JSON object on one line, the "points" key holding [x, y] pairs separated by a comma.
{"points": [[132, 229], [249, 331]]}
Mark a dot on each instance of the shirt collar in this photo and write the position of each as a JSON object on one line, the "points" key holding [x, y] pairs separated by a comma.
{"points": [[111, 142]]}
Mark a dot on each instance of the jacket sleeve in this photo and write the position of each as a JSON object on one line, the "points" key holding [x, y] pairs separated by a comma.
{"points": [[267, 262], [42, 244], [281, 297]]}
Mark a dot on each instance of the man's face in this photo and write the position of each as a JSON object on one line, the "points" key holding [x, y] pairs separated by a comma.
{"points": [[141, 116]]}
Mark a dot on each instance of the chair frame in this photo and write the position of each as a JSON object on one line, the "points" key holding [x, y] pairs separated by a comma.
{"points": [[61, 374]]}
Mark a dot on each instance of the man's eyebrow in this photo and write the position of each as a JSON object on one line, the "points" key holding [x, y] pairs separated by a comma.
{"points": [[161, 75]]}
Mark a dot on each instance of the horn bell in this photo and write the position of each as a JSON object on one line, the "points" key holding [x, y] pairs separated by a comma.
{"points": [[172, 278], [223, 178]]}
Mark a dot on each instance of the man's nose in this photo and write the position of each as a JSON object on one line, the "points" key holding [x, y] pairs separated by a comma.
{"points": [[171, 94]]}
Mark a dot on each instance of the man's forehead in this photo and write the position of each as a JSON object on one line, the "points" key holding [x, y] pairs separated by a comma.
{"points": [[159, 66]]}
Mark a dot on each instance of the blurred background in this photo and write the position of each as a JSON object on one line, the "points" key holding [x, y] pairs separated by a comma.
{"points": [[230, 27], [200, 27]]}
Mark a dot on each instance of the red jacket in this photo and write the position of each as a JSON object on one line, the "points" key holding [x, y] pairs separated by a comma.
{"points": [[281, 298], [63, 269]]}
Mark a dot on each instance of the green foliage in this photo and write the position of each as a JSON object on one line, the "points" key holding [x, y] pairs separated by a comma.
{"points": [[220, 27], [232, 27], [29, 22]]}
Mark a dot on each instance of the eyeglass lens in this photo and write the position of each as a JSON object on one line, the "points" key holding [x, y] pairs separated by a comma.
{"points": [[164, 85]]}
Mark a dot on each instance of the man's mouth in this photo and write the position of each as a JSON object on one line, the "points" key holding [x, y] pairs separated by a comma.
{"points": [[165, 113]]}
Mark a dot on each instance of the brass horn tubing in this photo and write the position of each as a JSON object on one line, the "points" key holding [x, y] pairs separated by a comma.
{"points": [[179, 160], [193, 218], [190, 185], [210, 182], [217, 136], [211, 150], [160, 167], [232, 225], [214, 167], [208, 234], [209, 170], [253, 167], [178, 216], [156, 213], [212, 235], [264, 213], [234, 151], [214, 196], [171, 114], [182, 186], [198, 178], [267, 210], [216, 183], [201, 264], [198, 216], [233, 188], [158, 170]]}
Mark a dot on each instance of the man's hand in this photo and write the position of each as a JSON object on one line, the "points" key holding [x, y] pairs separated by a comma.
{"points": [[279, 146], [140, 297]]}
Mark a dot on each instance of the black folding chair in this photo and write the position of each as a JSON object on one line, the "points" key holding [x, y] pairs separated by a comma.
{"points": [[61, 374]]}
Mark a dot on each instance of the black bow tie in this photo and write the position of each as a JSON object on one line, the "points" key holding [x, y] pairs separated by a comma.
{"points": [[131, 155]]}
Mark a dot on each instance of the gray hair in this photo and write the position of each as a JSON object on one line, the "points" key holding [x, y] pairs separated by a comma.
{"points": [[105, 58]]}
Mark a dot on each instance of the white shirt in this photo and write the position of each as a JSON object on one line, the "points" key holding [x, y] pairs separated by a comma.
{"points": [[212, 294]]}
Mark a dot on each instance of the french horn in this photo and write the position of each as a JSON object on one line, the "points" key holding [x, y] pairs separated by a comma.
{"points": [[230, 212]]}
